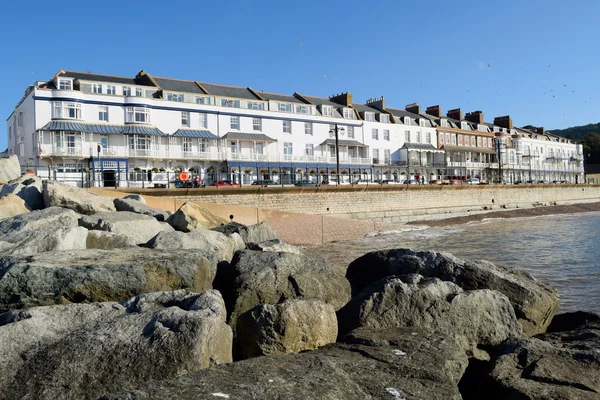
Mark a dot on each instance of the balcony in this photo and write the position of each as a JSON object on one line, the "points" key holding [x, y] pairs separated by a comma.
{"points": [[65, 151], [248, 157]]}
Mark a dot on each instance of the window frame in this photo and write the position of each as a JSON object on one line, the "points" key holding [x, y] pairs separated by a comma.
{"points": [[234, 122], [286, 126], [103, 113]]}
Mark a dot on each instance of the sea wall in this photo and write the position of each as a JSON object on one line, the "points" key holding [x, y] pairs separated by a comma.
{"points": [[387, 204]]}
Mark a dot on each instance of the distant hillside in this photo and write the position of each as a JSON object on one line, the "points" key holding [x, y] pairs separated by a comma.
{"points": [[577, 132]]}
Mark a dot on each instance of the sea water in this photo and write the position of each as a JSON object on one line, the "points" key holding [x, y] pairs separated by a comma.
{"points": [[562, 250]]}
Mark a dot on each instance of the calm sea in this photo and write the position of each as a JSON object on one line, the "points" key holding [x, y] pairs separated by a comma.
{"points": [[562, 250]]}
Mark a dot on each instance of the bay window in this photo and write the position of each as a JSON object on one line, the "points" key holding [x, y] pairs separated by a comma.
{"points": [[139, 115], [67, 110]]}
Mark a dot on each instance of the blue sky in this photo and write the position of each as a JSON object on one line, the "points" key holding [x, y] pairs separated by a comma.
{"points": [[535, 60]]}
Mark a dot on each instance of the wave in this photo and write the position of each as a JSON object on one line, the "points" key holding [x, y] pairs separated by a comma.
{"points": [[408, 228]]}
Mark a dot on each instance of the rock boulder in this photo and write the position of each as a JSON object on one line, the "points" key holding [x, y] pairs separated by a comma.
{"points": [[83, 351], [9, 169], [108, 240], [12, 205], [138, 207], [275, 245], [534, 302], [27, 187], [257, 233], [139, 228], [57, 194], [191, 217]]}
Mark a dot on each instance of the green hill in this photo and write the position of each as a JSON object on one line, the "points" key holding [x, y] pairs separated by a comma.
{"points": [[577, 132]]}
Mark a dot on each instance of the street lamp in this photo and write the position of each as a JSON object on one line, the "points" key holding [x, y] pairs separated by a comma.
{"points": [[336, 130], [500, 145]]}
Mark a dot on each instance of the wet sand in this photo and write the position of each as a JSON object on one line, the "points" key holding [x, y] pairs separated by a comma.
{"points": [[514, 213]]}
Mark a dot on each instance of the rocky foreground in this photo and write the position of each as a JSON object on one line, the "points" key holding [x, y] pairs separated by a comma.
{"points": [[109, 298]]}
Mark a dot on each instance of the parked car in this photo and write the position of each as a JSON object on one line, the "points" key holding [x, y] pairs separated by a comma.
{"points": [[182, 184], [265, 182], [471, 181], [435, 182], [225, 183], [361, 182], [456, 182], [390, 182], [305, 183], [410, 182], [532, 182]]}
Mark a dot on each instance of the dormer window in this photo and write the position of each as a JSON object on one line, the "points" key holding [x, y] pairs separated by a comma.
{"points": [[202, 100], [464, 125], [97, 88], [348, 113], [111, 89], [496, 129], [301, 109], [444, 123], [65, 84], [284, 107], [327, 111], [422, 122], [255, 105], [126, 91], [138, 92], [175, 97], [369, 116], [384, 118], [230, 103], [482, 128], [407, 121]]}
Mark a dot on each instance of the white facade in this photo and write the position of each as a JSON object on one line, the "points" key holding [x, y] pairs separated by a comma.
{"points": [[146, 127]]}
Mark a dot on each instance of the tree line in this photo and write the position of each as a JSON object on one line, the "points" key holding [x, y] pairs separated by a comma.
{"points": [[588, 136]]}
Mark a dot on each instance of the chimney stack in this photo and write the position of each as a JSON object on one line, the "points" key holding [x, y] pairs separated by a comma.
{"points": [[344, 99], [414, 108], [475, 117], [378, 103], [504, 122], [541, 130], [436, 111], [455, 114]]}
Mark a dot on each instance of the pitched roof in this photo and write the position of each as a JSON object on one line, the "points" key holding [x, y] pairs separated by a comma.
{"points": [[259, 137], [345, 142], [229, 91], [420, 146], [135, 129], [280, 97], [193, 133], [88, 76], [102, 129], [177, 85], [322, 101]]}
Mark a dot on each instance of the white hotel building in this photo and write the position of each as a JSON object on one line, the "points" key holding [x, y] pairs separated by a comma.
{"points": [[105, 131]]}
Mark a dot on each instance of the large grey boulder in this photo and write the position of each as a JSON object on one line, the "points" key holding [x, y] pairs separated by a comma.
{"points": [[99, 275], [136, 197], [535, 302], [288, 327], [11, 205], [560, 365], [108, 240], [9, 169], [27, 187], [83, 351], [57, 194], [138, 207], [139, 228], [483, 318], [191, 217], [221, 246], [256, 277], [25, 224], [275, 245], [257, 233], [397, 364]]}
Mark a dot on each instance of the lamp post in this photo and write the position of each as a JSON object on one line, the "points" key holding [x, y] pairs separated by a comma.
{"points": [[500, 145], [99, 148], [336, 130]]}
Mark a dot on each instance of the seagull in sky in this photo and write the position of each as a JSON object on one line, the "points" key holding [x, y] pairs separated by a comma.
{"points": [[300, 41]]}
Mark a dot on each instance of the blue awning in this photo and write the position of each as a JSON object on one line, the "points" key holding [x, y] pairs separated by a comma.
{"points": [[192, 133], [103, 129], [71, 126], [134, 129]]}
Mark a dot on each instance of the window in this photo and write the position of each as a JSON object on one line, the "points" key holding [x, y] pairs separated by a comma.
{"points": [[138, 115], [407, 121], [287, 126], [65, 84], [464, 125], [375, 156], [478, 142], [496, 129], [20, 119], [175, 97], [257, 124], [126, 91], [485, 142], [454, 139], [407, 136], [67, 110], [202, 100], [331, 131], [185, 118], [285, 107], [256, 105], [259, 148], [287, 150], [308, 128], [97, 88], [350, 130], [460, 140], [58, 141], [230, 103], [348, 113], [447, 138], [138, 92], [386, 156], [375, 134], [384, 118], [111, 89], [234, 123], [444, 123], [386, 134], [369, 116], [104, 142], [187, 144], [103, 113], [309, 150], [427, 137], [302, 109], [327, 111], [441, 138], [422, 122], [10, 132], [203, 120], [418, 137], [473, 141]]}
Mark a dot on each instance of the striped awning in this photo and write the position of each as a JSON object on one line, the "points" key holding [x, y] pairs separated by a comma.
{"points": [[259, 137], [105, 129], [134, 129], [71, 126], [193, 133]]}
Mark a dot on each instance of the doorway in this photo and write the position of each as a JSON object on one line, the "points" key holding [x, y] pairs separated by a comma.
{"points": [[109, 177]]}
